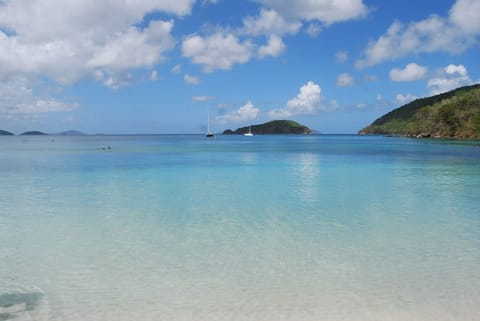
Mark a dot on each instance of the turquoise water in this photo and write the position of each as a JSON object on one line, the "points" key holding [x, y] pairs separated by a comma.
{"points": [[261, 228]]}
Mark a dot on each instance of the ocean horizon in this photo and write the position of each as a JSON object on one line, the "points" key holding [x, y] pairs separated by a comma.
{"points": [[270, 227]]}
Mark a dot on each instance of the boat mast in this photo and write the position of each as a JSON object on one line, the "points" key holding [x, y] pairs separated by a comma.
{"points": [[208, 123], [209, 134]]}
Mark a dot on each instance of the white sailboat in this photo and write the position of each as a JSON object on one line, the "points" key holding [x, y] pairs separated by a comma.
{"points": [[209, 133], [249, 133]]}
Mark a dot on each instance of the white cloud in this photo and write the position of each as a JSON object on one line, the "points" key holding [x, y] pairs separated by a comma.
{"points": [[52, 105], [411, 72], [176, 69], [454, 69], [154, 75], [192, 80], [452, 34], [199, 99], [223, 47], [307, 102], [66, 41], [75, 39], [464, 13], [361, 106], [405, 99], [326, 11], [245, 113], [133, 48], [313, 29], [118, 80], [450, 77], [344, 80], [18, 97], [342, 56], [217, 51], [267, 23], [42, 21], [205, 2], [274, 47]]}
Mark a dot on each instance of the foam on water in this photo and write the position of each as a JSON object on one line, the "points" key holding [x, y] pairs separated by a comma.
{"points": [[270, 228]]}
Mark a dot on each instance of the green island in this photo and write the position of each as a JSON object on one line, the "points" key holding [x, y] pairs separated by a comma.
{"points": [[272, 127], [32, 133], [4, 132], [454, 114]]}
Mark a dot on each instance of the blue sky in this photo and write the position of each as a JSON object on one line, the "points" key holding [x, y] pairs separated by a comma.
{"points": [[159, 66]]}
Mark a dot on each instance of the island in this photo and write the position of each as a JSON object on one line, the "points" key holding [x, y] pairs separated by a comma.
{"points": [[454, 114], [272, 127], [5, 133], [32, 133], [71, 133]]}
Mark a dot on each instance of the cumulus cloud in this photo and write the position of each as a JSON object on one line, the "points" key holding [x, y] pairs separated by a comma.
{"points": [[411, 72], [405, 99], [464, 14], [81, 39], [307, 102], [76, 39], [450, 77], [313, 29], [452, 34], [246, 113], [223, 47], [176, 69], [341, 56], [267, 23], [456, 69], [217, 51], [326, 11], [133, 48], [344, 80], [274, 47], [119, 80], [192, 80], [18, 97]]}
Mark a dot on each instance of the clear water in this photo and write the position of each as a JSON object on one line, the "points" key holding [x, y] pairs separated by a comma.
{"points": [[262, 228]]}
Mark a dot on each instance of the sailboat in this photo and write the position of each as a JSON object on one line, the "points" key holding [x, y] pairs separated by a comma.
{"points": [[249, 133], [209, 134]]}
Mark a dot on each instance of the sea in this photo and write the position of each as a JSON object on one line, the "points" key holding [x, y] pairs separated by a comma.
{"points": [[262, 228]]}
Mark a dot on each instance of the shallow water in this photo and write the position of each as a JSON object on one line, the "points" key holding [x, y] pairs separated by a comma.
{"points": [[236, 228]]}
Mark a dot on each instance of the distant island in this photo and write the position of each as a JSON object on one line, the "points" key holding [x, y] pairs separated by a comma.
{"points": [[71, 133], [272, 127], [32, 133], [5, 133], [36, 133], [454, 114]]}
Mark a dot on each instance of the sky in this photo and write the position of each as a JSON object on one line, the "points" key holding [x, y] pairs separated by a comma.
{"points": [[163, 66]]}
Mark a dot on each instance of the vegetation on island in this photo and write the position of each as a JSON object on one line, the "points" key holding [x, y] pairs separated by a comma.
{"points": [[71, 133], [453, 114], [272, 127], [32, 132], [4, 132]]}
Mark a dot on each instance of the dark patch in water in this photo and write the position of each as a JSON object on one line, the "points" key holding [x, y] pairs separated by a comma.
{"points": [[5, 316], [8, 300]]}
